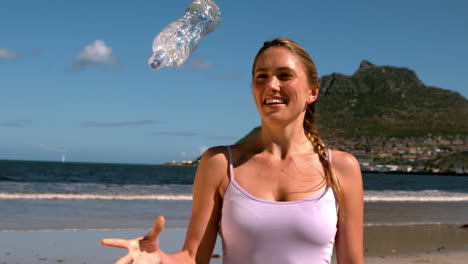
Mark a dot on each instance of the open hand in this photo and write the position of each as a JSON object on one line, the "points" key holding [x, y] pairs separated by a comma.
{"points": [[141, 250]]}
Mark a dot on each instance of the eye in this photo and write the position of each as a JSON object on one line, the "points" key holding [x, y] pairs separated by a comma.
{"points": [[261, 76], [286, 76]]}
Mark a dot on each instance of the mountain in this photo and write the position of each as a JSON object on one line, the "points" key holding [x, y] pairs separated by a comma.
{"points": [[254, 132], [384, 101], [387, 101]]}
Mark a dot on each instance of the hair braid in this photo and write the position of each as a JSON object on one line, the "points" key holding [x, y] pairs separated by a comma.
{"points": [[312, 134]]}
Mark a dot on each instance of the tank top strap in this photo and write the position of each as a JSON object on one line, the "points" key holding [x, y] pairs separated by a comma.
{"points": [[231, 167], [330, 155]]}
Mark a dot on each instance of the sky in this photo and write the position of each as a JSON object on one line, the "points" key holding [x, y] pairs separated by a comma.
{"points": [[74, 78]]}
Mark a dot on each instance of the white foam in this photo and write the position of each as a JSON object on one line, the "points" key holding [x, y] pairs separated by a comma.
{"points": [[369, 196], [65, 196], [415, 196], [416, 199]]}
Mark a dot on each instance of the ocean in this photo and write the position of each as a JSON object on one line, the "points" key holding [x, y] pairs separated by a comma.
{"points": [[97, 196]]}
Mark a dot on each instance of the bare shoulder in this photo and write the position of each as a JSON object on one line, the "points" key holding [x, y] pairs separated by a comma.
{"points": [[215, 156], [214, 164], [343, 160], [346, 166]]}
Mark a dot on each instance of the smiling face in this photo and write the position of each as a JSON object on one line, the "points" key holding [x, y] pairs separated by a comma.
{"points": [[280, 86]]}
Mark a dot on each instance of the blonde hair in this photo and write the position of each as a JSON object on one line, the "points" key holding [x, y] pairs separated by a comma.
{"points": [[310, 130]]}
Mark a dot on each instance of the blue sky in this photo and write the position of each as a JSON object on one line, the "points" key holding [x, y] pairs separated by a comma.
{"points": [[57, 99]]}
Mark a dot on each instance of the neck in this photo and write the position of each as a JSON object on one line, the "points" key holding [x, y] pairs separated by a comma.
{"points": [[284, 141]]}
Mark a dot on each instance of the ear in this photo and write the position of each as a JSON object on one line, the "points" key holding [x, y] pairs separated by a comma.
{"points": [[314, 91]]}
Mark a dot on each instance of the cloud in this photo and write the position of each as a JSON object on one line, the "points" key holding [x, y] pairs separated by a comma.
{"points": [[16, 123], [94, 54], [118, 124], [195, 63], [177, 134], [6, 54]]}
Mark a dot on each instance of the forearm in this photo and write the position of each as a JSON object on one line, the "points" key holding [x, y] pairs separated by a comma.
{"points": [[182, 257]]}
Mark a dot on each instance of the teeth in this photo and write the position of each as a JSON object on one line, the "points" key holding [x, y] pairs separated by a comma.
{"points": [[274, 101]]}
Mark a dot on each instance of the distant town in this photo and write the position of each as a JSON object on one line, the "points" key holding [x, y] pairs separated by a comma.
{"points": [[431, 154], [408, 154]]}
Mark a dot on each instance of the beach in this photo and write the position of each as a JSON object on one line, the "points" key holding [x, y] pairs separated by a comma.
{"points": [[383, 244], [58, 213]]}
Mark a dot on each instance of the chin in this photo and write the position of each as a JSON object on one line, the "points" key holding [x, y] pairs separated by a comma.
{"points": [[279, 118], [275, 119]]}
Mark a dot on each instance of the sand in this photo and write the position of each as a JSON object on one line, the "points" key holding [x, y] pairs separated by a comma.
{"points": [[383, 244]]}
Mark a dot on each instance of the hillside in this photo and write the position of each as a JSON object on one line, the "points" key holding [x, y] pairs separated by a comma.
{"points": [[388, 112], [387, 101]]}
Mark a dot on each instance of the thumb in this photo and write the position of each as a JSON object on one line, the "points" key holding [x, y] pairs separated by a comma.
{"points": [[157, 228]]}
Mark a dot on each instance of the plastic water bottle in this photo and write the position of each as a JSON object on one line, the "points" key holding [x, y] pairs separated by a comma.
{"points": [[174, 44]]}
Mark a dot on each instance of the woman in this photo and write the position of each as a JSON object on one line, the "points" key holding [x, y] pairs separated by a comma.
{"points": [[281, 197]]}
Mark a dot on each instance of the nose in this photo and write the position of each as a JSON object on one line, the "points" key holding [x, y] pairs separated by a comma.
{"points": [[273, 84]]}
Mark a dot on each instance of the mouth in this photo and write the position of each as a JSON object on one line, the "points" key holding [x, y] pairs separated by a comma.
{"points": [[274, 101]]}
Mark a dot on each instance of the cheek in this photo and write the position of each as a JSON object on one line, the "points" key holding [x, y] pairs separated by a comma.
{"points": [[257, 93]]}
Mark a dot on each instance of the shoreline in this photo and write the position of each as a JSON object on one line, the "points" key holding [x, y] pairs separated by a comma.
{"points": [[382, 244], [367, 227]]}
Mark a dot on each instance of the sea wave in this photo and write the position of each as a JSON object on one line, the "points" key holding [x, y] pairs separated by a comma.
{"points": [[66, 196], [415, 196], [417, 199], [369, 196], [90, 191]]}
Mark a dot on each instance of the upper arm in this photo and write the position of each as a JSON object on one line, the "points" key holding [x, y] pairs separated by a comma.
{"points": [[349, 239], [206, 205]]}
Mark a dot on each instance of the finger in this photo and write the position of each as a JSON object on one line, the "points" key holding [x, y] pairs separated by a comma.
{"points": [[157, 228], [115, 242], [125, 259]]}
